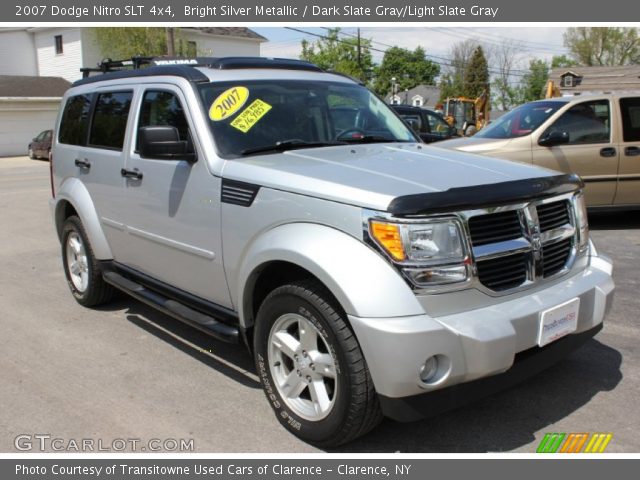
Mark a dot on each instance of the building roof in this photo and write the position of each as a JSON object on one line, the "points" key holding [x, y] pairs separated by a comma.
{"points": [[238, 32], [601, 79], [430, 94], [27, 86]]}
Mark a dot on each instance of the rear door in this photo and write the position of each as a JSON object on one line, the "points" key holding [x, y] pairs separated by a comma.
{"points": [[591, 151], [629, 174], [91, 139]]}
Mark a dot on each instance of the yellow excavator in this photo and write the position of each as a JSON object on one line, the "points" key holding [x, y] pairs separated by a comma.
{"points": [[467, 115], [552, 90]]}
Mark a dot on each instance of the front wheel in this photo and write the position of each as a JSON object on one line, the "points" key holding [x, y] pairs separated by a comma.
{"points": [[31, 154], [311, 366]]}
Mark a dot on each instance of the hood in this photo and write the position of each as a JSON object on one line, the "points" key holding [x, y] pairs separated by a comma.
{"points": [[371, 176], [475, 144]]}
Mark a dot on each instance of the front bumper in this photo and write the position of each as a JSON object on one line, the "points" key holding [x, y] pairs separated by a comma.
{"points": [[479, 343]]}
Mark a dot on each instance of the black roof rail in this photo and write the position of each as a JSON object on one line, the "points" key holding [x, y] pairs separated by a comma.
{"points": [[224, 63], [231, 63], [182, 67]]}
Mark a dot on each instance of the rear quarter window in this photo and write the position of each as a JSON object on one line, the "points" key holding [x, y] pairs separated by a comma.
{"points": [[109, 123], [75, 120]]}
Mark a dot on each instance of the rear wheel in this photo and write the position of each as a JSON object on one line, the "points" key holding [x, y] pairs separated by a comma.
{"points": [[81, 268], [311, 366]]}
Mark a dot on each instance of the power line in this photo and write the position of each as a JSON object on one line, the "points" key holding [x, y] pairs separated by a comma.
{"points": [[442, 61]]}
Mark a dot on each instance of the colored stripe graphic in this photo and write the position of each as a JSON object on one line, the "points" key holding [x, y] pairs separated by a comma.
{"points": [[550, 442], [574, 442], [598, 443]]}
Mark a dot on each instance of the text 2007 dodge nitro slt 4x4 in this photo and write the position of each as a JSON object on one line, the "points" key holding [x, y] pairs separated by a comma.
{"points": [[268, 202]]}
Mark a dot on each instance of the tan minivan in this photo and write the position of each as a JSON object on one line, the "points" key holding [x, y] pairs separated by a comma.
{"points": [[597, 137]]}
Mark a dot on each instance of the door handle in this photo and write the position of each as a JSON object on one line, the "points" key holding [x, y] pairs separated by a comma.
{"points": [[608, 152], [83, 164], [135, 173], [632, 151]]}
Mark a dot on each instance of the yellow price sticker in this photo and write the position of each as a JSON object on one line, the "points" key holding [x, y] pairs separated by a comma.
{"points": [[228, 103], [250, 116]]}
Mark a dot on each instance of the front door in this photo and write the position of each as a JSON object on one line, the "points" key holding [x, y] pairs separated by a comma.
{"points": [[173, 214], [591, 152]]}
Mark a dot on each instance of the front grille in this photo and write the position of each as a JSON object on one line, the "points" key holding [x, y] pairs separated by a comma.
{"points": [[552, 215], [555, 256], [503, 273], [543, 235], [494, 227]]}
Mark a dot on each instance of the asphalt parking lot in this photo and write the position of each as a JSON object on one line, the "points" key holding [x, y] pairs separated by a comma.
{"points": [[128, 372]]}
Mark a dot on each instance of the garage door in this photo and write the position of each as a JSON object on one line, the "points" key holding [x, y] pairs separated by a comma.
{"points": [[20, 121]]}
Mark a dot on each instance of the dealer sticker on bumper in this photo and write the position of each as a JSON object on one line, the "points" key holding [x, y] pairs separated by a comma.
{"points": [[558, 321]]}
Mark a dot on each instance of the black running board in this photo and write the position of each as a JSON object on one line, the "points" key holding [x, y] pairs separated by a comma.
{"points": [[177, 310]]}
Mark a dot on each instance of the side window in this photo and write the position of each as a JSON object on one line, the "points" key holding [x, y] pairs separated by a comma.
{"points": [[587, 122], [110, 120], [437, 125], [75, 120], [630, 108], [414, 121], [163, 108]]}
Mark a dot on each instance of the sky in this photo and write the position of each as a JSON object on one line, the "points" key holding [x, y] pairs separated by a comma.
{"points": [[540, 42]]}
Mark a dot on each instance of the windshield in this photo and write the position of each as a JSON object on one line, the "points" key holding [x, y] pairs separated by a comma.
{"points": [[269, 115], [520, 121]]}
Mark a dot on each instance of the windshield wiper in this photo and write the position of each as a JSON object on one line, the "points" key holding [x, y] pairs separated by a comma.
{"points": [[288, 145]]}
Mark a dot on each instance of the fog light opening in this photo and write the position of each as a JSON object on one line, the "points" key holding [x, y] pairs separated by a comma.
{"points": [[434, 370], [429, 369]]}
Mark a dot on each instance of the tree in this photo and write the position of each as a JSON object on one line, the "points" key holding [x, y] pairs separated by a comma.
{"points": [[505, 58], [126, 42], [409, 69], [350, 56], [535, 80], [603, 45], [477, 75], [562, 61], [452, 82]]}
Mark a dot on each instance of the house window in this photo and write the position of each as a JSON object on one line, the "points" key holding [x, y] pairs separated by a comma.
{"points": [[567, 81], [58, 42], [417, 101]]}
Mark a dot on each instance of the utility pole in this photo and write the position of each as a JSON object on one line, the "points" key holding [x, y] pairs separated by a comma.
{"points": [[359, 54], [171, 42]]}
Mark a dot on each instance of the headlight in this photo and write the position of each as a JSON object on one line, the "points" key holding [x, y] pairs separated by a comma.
{"points": [[430, 252], [582, 220]]}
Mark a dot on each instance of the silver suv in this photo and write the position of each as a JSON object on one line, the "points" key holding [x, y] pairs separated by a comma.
{"points": [[268, 202]]}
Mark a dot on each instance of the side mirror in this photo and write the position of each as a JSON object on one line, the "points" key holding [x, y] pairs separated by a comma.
{"points": [[554, 138], [162, 142]]}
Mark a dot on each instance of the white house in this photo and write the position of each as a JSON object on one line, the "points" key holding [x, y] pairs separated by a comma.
{"points": [[61, 52], [40, 58]]}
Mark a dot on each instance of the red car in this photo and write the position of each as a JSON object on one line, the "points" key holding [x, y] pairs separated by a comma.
{"points": [[41, 145]]}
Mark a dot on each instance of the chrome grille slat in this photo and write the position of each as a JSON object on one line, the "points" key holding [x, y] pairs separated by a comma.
{"points": [[494, 227]]}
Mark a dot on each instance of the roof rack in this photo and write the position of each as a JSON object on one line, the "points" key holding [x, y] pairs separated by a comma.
{"points": [[225, 63]]}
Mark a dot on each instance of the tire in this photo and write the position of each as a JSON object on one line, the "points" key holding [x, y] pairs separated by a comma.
{"points": [[81, 268], [311, 367], [470, 131]]}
